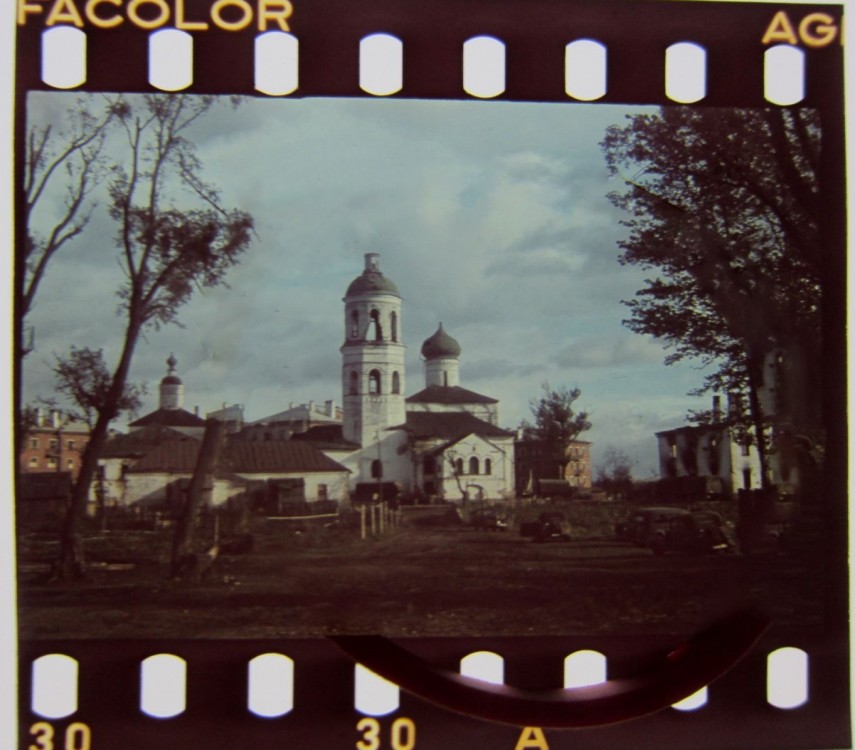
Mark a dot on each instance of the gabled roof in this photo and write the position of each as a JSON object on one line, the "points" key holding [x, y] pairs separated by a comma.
{"points": [[449, 394], [450, 426], [170, 418], [139, 442], [276, 456], [239, 457], [326, 437]]}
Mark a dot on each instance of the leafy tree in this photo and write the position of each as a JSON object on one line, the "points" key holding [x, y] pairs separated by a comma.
{"points": [[84, 379], [614, 474], [556, 422], [724, 207], [165, 252]]}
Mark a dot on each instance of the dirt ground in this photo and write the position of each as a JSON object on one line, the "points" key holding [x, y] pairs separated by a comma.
{"points": [[414, 580]]}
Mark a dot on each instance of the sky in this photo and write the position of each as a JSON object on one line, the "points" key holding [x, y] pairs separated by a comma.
{"points": [[490, 217]]}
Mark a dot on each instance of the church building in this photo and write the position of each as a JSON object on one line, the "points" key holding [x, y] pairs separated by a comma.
{"points": [[444, 441]]}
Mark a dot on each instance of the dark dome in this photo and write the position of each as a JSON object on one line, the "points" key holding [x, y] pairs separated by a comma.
{"points": [[440, 346], [372, 281], [171, 380]]}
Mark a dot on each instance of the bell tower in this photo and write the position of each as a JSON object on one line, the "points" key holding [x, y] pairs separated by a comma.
{"points": [[372, 356]]}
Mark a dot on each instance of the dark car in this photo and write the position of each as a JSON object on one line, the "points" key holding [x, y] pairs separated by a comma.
{"points": [[645, 522], [552, 526], [488, 520], [699, 532]]}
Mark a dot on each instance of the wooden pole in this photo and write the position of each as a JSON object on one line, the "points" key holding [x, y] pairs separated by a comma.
{"points": [[362, 521], [183, 543]]}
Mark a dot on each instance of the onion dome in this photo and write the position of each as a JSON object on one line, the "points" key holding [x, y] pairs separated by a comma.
{"points": [[441, 346], [372, 279], [171, 378]]}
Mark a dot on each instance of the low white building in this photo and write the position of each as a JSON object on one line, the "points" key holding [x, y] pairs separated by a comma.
{"points": [[153, 480]]}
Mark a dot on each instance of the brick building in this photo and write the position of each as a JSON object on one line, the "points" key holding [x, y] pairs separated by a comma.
{"points": [[54, 443]]}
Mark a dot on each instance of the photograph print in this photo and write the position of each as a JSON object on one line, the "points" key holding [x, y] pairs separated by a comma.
{"points": [[420, 368]]}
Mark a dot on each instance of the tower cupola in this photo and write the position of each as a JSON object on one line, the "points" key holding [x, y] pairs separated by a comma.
{"points": [[441, 353], [171, 387]]}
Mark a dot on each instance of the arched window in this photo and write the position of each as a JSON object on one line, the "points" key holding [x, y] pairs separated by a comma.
{"points": [[473, 465], [488, 466], [429, 465], [375, 332], [354, 324], [354, 383], [458, 466], [396, 382], [445, 378], [394, 325], [374, 382], [376, 469]]}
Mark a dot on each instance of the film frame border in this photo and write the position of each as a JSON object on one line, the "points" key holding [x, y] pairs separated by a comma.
{"points": [[823, 82]]}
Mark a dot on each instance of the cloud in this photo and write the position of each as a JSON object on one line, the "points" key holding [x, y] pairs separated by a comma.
{"points": [[490, 217]]}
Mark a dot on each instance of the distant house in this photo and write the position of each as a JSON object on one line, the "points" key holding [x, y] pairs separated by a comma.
{"points": [[718, 452], [55, 443], [152, 480], [295, 419], [536, 461]]}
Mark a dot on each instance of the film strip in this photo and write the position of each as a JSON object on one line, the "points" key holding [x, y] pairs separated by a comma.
{"points": [[791, 689]]}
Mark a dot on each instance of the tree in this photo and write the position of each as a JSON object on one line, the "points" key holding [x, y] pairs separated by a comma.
{"points": [[556, 422], [725, 207], [614, 475], [72, 161], [84, 379], [165, 253]]}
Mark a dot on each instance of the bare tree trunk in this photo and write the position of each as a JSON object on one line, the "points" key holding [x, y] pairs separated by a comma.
{"points": [[71, 560], [183, 543]]}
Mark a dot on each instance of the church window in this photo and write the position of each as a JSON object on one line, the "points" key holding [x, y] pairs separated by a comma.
{"points": [[376, 469], [354, 383], [394, 326], [354, 324], [375, 332], [429, 465], [374, 382], [473, 465], [396, 382], [488, 466], [458, 466]]}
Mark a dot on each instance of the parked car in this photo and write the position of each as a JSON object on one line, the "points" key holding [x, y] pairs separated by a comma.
{"points": [[645, 522], [488, 520], [552, 526], [698, 532]]}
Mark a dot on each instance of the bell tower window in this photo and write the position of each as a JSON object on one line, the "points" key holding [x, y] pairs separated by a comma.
{"points": [[374, 382], [396, 382], [354, 383], [354, 324], [393, 324], [375, 332]]}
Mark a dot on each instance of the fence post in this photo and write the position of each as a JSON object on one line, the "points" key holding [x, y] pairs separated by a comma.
{"points": [[362, 521]]}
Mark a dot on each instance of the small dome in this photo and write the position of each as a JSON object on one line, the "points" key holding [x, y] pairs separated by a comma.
{"points": [[171, 378], [441, 346], [372, 279]]}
